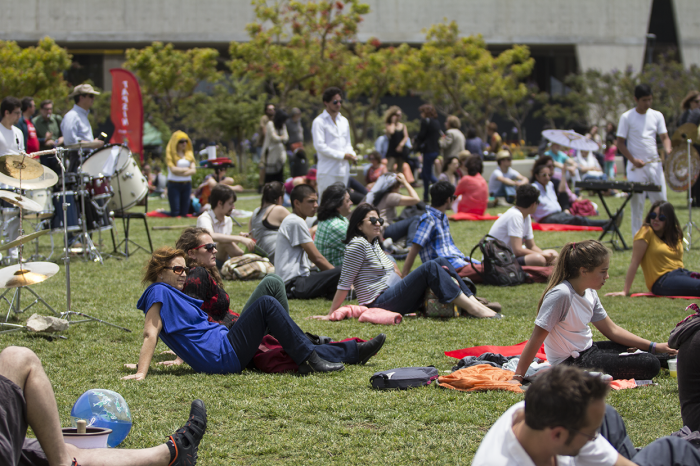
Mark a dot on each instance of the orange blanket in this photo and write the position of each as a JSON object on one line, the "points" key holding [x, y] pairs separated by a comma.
{"points": [[558, 227], [652, 295], [468, 216], [481, 377]]}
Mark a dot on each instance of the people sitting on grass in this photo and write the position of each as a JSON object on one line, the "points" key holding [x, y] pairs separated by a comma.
{"points": [[549, 210], [433, 239], [375, 170], [504, 179], [472, 188], [219, 224], [333, 223], [385, 196], [178, 320], [564, 421], [296, 251], [378, 282], [266, 219], [450, 172], [569, 303], [203, 191], [686, 339], [588, 166], [514, 229], [658, 248], [27, 399], [564, 194], [564, 166]]}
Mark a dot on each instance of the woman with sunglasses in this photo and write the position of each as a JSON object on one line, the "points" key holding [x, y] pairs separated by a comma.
{"points": [[180, 160], [658, 248], [378, 282], [208, 347]]}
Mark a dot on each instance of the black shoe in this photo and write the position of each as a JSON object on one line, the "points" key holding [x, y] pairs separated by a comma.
{"points": [[186, 439], [314, 363], [369, 348]]}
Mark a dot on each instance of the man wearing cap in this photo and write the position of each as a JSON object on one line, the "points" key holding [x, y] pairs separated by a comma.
{"points": [[75, 125], [504, 180]]}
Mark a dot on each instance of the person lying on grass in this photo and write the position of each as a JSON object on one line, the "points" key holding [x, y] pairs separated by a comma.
{"points": [[378, 282], [210, 347], [568, 304]]}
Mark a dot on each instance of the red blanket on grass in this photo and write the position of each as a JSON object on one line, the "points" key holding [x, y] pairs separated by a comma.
{"points": [[652, 295], [558, 227], [155, 213], [515, 350], [271, 358], [534, 274], [473, 217]]}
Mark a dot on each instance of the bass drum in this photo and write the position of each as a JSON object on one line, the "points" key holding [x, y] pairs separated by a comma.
{"points": [[44, 199], [129, 186]]}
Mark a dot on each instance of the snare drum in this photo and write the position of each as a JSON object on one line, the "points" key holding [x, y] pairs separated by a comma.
{"points": [[72, 212], [43, 198], [99, 187], [116, 163]]}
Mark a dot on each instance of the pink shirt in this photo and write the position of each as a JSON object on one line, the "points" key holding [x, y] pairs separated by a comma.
{"points": [[475, 194], [610, 153]]}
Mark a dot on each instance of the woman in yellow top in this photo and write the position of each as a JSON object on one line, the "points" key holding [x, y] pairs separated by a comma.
{"points": [[180, 160], [658, 247]]}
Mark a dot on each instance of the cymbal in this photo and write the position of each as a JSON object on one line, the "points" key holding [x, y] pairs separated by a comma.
{"points": [[85, 145], [691, 132], [20, 166], [16, 276], [23, 239], [677, 172], [20, 201], [46, 180]]}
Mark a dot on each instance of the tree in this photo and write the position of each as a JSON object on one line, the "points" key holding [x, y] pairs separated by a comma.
{"points": [[518, 111], [34, 71], [460, 76]]}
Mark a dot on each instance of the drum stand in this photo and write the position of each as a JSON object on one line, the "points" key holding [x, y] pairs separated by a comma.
{"points": [[688, 227], [125, 222]]}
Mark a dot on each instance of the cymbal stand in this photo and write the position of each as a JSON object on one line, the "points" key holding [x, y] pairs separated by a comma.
{"points": [[688, 227], [89, 249]]}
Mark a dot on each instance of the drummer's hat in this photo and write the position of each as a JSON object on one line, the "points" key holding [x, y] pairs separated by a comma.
{"points": [[83, 89]]}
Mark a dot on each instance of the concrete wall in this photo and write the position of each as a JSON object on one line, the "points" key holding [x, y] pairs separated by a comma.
{"points": [[688, 24]]}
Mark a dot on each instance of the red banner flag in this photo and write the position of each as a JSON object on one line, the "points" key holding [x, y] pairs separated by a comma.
{"points": [[127, 110]]}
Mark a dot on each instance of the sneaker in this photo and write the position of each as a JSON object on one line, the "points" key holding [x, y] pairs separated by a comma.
{"points": [[186, 439], [501, 202]]}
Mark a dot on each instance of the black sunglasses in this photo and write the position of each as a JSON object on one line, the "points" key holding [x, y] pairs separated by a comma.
{"points": [[178, 269], [662, 217], [336, 102], [208, 246], [375, 221]]}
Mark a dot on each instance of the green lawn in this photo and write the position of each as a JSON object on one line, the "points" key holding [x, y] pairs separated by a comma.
{"points": [[259, 418]]}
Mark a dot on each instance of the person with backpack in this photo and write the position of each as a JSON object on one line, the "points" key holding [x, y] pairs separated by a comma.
{"points": [[378, 282], [514, 228]]}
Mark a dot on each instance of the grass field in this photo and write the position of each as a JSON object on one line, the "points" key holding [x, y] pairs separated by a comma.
{"points": [[259, 418]]}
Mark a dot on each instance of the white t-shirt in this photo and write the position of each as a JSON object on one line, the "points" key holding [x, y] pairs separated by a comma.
{"points": [[512, 223], [11, 140], [590, 162], [181, 163], [500, 447], [548, 201], [494, 184], [209, 222], [641, 130], [565, 315], [291, 260]]}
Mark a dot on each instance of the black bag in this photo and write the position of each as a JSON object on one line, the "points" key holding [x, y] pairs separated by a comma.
{"points": [[501, 267], [403, 378]]}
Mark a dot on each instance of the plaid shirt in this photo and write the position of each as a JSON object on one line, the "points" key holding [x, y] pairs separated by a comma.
{"points": [[433, 235], [329, 239]]}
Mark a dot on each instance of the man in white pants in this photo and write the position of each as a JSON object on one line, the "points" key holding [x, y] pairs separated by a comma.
{"points": [[636, 140], [331, 134]]}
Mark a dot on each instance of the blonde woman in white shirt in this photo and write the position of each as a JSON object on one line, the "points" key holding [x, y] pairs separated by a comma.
{"points": [[179, 157]]}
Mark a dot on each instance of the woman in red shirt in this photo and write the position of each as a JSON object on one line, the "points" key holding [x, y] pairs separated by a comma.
{"points": [[473, 188]]}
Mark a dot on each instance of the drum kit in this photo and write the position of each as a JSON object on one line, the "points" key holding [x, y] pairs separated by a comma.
{"points": [[683, 168], [87, 199]]}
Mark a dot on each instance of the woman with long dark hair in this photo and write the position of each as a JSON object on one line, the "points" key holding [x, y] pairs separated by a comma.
{"points": [[266, 219], [333, 223], [274, 153], [378, 282], [397, 134], [658, 248]]}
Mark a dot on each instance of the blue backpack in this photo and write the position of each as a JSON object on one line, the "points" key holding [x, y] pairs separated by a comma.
{"points": [[403, 378]]}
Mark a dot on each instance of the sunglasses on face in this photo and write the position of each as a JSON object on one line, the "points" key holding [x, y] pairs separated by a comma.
{"points": [[662, 217], [336, 102], [208, 246], [182, 142], [179, 270], [375, 221]]}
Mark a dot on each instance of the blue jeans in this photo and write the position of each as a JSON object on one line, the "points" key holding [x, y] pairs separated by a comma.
{"points": [[403, 228], [267, 313], [427, 173], [407, 295], [505, 191], [179, 198], [676, 283]]}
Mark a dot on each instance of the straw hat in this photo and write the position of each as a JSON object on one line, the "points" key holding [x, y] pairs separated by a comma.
{"points": [[83, 89]]}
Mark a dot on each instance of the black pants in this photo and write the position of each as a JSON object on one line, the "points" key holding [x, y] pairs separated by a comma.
{"points": [[316, 285], [689, 381], [562, 218], [268, 314], [605, 356]]}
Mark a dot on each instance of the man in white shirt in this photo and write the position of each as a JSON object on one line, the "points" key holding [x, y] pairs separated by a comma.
{"points": [[295, 251], [331, 135], [217, 221], [564, 421], [514, 228], [504, 180], [636, 140], [75, 126], [11, 142]]}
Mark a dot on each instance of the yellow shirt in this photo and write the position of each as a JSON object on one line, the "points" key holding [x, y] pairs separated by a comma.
{"points": [[659, 258]]}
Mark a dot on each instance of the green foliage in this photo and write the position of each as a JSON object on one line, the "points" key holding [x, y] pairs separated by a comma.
{"points": [[670, 82], [34, 71]]}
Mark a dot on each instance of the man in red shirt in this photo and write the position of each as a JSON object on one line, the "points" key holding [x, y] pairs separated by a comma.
{"points": [[31, 141]]}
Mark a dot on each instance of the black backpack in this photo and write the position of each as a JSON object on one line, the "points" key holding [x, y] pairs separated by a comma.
{"points": [[403, 378], [501, 267]]}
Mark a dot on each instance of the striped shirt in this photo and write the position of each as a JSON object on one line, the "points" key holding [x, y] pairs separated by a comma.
{"points": [[367, 268], [329, 239]]}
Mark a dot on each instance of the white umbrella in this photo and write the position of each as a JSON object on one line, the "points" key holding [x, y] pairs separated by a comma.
{"points": [[570, 138]]}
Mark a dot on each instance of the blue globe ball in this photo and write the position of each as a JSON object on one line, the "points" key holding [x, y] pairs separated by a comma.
{"points": [[103, 408]]}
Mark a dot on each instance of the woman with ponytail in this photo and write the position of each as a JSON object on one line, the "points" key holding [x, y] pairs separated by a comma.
{"points": [[569, 303], [266, 219]]}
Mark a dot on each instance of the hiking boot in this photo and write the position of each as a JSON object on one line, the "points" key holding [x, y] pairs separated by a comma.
{"points": [[186, 439], [314, 363], [369, 348]]}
